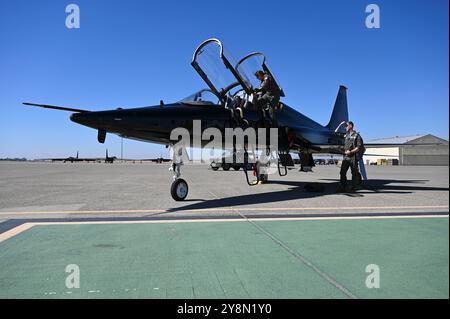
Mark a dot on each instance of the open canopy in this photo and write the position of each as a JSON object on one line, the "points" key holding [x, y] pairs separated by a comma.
{"points": [[248, 65], [216, 67], [222, 74]]}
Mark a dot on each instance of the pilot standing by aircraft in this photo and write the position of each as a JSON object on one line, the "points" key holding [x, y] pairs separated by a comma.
{"points": [[352, 146], [268, 94]]}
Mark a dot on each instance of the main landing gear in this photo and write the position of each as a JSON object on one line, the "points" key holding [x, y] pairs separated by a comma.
{"points": [[260, 168]]}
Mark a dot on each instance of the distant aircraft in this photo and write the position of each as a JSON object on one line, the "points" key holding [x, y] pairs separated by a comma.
{"points": [[108, 159], [72, 159], [215, 107], [160, 160]]}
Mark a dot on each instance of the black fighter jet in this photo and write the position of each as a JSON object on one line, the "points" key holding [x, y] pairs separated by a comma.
{"points": [[228, 102]]}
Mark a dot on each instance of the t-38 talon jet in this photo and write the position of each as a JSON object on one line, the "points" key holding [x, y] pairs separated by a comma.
{"points": [[215, 107]]}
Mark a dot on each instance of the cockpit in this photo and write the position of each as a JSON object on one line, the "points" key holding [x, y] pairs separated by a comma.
{"points": [[228, 80], [205, 96]]}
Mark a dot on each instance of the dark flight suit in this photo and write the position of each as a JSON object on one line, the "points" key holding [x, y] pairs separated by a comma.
{"points": [[352, 141], [270, 95]]}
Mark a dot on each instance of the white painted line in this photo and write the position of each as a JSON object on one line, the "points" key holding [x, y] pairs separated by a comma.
{"points": [[350, 217], [15, 231], [247, 209], [19, 229]]}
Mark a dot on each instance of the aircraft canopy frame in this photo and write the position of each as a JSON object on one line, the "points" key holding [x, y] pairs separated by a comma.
{"points": [[224, 58], [242, 69]]}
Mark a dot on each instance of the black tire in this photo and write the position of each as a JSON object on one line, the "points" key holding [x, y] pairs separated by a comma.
{"points": [[236, 167], [226, 166], [179, 189], [214, 166], [263, 178]]}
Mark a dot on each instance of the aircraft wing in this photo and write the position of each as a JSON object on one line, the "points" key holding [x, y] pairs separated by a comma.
{"points": [[155, 160], [159, 160], [339, 149], [71, 159]]}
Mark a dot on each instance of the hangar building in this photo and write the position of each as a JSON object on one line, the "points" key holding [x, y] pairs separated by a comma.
{"points": [[409, 153]]}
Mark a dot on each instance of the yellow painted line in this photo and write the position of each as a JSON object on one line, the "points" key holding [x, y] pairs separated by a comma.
{"points": [[131, 211], [19, 229]]}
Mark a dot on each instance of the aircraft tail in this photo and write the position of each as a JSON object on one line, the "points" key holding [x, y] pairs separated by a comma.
{"points": [[340, 110], [77, 154]]}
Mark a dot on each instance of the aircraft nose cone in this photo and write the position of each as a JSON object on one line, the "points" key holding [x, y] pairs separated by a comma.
{"points": [[75, 117], [88, 119]]}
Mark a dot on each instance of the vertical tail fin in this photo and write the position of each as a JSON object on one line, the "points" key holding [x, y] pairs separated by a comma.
{"points": [[77, 154], [106, 153], [340, 110]]}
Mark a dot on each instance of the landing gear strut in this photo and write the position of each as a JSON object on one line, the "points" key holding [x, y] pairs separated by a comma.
{"points": [[260, 168], [179, 189]]}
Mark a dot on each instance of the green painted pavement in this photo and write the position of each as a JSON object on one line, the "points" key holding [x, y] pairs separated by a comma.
{"points": [[228, 259], [412, 254]]}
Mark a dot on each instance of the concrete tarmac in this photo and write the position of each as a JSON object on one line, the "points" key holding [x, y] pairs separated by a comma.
{"points": [[120, 226], [91, 190]]}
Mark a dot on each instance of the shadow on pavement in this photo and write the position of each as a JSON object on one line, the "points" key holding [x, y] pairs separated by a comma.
{"points": [[297, 191]]}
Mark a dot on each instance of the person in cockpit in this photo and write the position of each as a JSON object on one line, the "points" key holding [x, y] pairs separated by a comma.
{"points": [[268, 94]]}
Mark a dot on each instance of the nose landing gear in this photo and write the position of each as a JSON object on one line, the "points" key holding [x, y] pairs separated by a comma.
{"points": [[179, 189]]}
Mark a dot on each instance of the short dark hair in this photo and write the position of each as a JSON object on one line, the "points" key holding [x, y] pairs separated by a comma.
{"points": [[350, 123], [259, 72]]}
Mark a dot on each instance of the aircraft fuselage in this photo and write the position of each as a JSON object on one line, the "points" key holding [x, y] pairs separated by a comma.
{"points": [[155, 124]]}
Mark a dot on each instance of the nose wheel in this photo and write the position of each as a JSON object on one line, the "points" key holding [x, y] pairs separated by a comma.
{"points": [[179, 189]]}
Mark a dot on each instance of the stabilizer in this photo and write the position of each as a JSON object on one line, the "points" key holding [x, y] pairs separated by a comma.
{"points": [[340, 110]]}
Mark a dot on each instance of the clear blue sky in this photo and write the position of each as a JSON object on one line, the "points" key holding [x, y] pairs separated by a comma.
{"points": [[134, 53]]}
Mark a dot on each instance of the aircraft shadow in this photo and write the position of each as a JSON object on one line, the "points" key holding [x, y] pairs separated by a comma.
{"points": [[384, 185], [297, 191]]}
